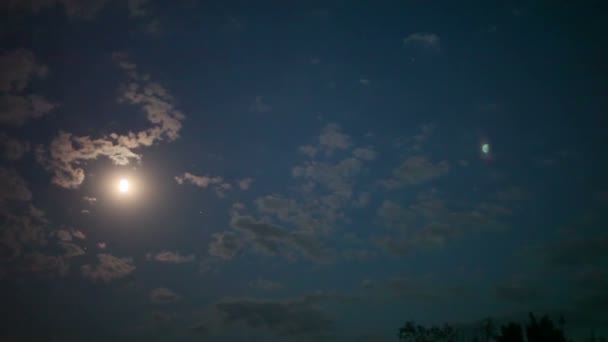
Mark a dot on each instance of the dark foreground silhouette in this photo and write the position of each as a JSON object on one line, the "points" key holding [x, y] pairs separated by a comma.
{"points": [[543, 330]]}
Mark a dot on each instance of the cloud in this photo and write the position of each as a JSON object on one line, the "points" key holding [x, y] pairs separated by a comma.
{"points": [[67, 151], [17, 68], [366, 153], [90, 200], [12, 186], [163, 295], [25, 224], [218, 183], [73, 8], [173, 257], [336, 177], [137, 8], [430, 221], [260, 106], [78, 234], [427, 40], [200, 181], [288, 318], [155, 101], [109, 268], [272, 239], [18, 109], [415, 171], [332, 138], [64, 235], [71, 250], [226, 245], [40, 263], [245, 183], [13, 148], [266, 285], [309, 150]]}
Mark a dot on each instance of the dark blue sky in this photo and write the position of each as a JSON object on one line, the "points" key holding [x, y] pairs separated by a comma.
{"points": [[299, 170]]}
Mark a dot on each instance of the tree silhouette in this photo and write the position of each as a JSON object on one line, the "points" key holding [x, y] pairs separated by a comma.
{"points": [[412, 332], [511, 333], [543, 330], [489, 331]]}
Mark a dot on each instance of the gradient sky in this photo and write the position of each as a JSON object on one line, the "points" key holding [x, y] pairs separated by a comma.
{"points": [[300, 170]]}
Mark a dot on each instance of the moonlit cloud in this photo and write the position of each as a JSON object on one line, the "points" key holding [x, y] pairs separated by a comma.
{"points": [[332, 138], [245, 183], [71, 250], [67, 151], [108, 268], [173, 257], [63, 235], [200, 181]]}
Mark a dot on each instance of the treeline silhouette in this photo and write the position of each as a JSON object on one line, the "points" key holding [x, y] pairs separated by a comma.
{"points": [[535, 330]]}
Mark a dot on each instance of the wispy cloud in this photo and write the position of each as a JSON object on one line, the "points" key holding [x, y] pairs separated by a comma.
{"points": [[260, 106], [17, 68], [200, 181], [425, 39], [13, 148], [13, 186], [72, 8], [169, 257], [265, 284], [40, 263], [283, 318], [431, 221], [415, 171], [332, 138], [163, 295]]}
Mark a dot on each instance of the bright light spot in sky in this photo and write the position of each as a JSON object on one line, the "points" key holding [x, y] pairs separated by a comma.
{"points": [[123, 185], [485, 148]]}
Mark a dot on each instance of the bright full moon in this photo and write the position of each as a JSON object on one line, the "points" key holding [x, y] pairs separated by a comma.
{"points": [[123, 185]]}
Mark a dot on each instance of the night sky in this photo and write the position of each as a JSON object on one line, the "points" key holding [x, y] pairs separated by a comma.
{"points": [[299, 170]]}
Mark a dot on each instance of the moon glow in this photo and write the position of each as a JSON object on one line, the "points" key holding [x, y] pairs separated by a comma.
{"points": [[123, 185]]}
